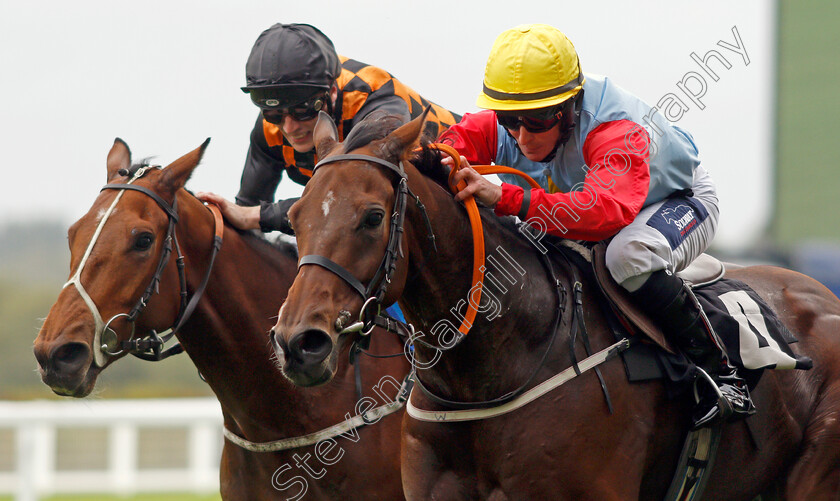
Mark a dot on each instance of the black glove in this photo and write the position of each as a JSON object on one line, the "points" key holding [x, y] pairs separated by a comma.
{"points": [[275, 217]]}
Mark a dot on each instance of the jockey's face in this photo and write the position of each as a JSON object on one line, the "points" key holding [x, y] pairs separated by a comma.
{"points": [[298, 132], [536, 146]]}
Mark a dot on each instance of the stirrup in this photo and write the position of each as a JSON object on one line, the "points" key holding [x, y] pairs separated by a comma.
{"points": [[732, 401]]}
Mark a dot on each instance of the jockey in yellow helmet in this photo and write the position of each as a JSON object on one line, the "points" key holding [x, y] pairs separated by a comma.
{"points": [[610, 167]]}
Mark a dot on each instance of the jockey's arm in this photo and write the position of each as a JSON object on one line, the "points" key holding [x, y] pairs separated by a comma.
{"points": [[262, 171], [474, 137]]}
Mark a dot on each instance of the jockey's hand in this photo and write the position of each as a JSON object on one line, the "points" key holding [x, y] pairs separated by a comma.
{"points": [[478, 186], [244, 218]]}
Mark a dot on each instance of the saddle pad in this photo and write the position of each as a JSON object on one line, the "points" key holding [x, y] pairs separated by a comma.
{"points": [[754, 336]]}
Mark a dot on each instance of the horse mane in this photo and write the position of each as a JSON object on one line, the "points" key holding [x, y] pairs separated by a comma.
{"points": [[427, 161], [376, 125]]}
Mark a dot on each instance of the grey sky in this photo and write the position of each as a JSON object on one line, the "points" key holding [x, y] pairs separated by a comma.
{"points": [[164, 75]]}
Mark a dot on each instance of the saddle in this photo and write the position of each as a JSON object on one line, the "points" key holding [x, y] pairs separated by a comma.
{"points": [[704, 270], [735, 311]]}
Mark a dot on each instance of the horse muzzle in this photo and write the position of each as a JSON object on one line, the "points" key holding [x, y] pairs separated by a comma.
{"points": [[305, 358], [66, 368]]}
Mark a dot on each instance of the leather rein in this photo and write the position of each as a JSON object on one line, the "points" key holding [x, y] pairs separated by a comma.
{"points": [[151, 346]]}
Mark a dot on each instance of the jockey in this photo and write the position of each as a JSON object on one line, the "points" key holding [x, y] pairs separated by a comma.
{"points": [[609, 167], [293, 72]]}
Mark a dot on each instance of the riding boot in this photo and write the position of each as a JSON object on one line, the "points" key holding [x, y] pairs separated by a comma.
{"points": [[673, 305]]}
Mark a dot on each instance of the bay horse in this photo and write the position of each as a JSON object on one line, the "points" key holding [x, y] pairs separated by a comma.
{"points": [[565, 445], [226, 338]]}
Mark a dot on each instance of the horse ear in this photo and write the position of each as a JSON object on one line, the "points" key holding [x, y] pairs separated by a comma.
{"points": [[407, 137], [325, 135], [176, 174], [119, 158]]}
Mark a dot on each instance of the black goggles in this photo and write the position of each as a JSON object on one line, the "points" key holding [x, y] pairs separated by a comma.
{"points": [[534, 123], [301, 112], [301, 103]]}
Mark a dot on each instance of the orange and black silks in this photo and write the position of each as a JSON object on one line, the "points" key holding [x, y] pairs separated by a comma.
{"points": [[360, 86]]}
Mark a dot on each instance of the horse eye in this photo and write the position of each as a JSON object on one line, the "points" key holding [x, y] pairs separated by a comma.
{"points": [[144, 241], [373, 219]]}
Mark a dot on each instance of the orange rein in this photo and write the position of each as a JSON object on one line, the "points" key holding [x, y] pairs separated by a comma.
{"points": [[475, 223]]}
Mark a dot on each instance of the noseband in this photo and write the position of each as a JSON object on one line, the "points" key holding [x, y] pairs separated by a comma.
{"points": [[149, 347]]}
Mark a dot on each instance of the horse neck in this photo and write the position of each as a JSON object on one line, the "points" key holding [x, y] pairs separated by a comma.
{"points": [[227, 336], [499, 350]]}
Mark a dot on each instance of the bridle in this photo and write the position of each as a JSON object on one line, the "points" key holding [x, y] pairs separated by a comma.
{"points": [[148, 347], [372, 317], [374, 293]]}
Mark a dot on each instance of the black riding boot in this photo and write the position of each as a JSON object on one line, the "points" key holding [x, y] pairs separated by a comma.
{"points": [[673, 305]]}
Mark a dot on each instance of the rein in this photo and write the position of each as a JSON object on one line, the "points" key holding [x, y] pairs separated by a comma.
{"points": [[382, 277], [149, 347], [475, 224]]}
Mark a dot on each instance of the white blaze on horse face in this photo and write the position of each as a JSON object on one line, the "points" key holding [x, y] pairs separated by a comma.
{"points": [[101, 214], [328, 201]]}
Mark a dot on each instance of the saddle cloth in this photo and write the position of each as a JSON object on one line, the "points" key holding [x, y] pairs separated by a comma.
{"points": [[752, 334]]}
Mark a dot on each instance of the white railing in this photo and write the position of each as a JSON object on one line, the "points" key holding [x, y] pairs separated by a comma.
{"points": [[38, 469]]}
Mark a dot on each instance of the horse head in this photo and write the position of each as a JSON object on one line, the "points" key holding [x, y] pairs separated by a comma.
{"points": [[343, 223], [120, 250]]}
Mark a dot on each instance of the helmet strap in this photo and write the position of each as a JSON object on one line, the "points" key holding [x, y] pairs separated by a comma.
{"points": [[571, 113], [334, 105]]}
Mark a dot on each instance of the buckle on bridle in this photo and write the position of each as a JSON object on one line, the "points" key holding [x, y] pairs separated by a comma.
{"points": [[109, 345], [368, 323], [364, 325]]}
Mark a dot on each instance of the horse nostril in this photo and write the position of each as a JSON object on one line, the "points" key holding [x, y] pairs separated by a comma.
{"points": [[70, 357], [279, 345], [311, 346], [42, 357]]}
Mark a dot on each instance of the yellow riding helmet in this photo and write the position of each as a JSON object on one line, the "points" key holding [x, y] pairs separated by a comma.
{"points": [[530, 66]]}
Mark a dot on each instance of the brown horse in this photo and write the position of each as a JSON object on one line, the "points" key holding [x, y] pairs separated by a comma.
{"points": [[225, 337], [565, 445]]}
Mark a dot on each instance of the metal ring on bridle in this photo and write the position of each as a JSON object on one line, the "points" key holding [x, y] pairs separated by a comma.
{"points": [[368, 325], [106, 329]]}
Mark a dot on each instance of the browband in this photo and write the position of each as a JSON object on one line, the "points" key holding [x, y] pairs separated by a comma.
{"points": [[365, 158]]}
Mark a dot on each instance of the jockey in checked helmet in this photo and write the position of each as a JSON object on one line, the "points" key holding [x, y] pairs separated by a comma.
{"points": [[292, 74]]}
